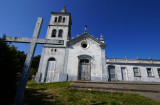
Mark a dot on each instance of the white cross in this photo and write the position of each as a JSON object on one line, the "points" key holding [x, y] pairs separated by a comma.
{"points": [[85, 29], [33, 42]]}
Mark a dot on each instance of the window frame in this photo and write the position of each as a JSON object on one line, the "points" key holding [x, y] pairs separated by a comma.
{"points": [[151, 71], [60, 19], [60, 35], [158, 69], [138, 72], [53, 33], [64, 19], [55, 20]]}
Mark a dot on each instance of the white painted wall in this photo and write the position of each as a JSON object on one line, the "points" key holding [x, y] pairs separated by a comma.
{"points": [[59, 55], [130, 73], [64, 36], [94, 50], [66, 16], [59, 25]]}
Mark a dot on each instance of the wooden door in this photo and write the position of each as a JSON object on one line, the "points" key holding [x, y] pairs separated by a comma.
{"points": [[111, 71], [84, 72], [124, 74], [50, 71]]}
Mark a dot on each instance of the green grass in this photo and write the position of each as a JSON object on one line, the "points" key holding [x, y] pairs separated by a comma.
{"points": [[59, 93]]}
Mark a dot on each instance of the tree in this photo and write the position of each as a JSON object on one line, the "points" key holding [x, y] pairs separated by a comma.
{"points": [[11, 63], [34, 66]]}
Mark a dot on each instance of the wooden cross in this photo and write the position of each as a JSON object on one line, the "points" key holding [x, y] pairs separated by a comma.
{"points": [[33, 42]]}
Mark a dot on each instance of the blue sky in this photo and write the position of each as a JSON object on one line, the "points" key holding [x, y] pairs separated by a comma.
{"points": [[130, 27]]}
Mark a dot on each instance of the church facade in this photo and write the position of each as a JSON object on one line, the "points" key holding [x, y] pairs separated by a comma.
{"points": [[83, 58]]}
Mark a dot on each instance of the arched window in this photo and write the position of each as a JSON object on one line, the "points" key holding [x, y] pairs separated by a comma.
{"points": [[54, 33], [60, 19], [60, 33], [63, 19], [55, 19], [51, 59]]}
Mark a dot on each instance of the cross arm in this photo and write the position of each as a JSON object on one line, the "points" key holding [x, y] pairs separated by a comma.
{"points": [[38, 41], [18, 39], [50, 41]]}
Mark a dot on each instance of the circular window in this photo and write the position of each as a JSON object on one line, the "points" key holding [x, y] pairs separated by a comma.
{"points": [[84, 44]]}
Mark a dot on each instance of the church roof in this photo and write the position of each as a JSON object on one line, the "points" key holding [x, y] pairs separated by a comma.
{"points": [[84, 36], [138, 61]]}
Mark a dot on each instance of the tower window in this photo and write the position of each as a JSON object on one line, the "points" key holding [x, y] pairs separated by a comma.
{"points": [[54, 33], [63, 19], [51, 50], [60, 19], [55, 19], [60, 33]]}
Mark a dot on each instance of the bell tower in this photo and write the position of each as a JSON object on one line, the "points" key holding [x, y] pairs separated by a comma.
{"points": [[60, 26], [53, 62]]}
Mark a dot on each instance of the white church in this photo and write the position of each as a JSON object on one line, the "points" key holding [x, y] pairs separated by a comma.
{"points": [[83, 58]]}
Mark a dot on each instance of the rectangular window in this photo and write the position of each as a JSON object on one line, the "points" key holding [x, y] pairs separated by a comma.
{"points": [[136, 72], [149, 72], [158, 71]]}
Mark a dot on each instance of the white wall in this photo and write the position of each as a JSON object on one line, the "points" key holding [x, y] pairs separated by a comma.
{"points": [[130, 73], [94, 50], [59, 25], [59, 55]]}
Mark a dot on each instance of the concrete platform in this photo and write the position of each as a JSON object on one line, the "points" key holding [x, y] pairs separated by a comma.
{"points": [[148, 89]]}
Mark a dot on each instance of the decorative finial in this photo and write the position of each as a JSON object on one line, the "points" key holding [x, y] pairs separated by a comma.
{"points": [[65, 6], [85, 29], [150, 58], [64, 9], [101, 38]]}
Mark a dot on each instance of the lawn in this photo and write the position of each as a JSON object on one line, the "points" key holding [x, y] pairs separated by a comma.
{"points": [[59, 93]]}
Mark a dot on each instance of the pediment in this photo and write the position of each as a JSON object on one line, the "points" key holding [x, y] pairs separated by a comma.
{"points": [[84, 36]]}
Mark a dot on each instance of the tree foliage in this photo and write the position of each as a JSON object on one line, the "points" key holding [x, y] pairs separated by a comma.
{"points": [[34, 67], [11, 63]]}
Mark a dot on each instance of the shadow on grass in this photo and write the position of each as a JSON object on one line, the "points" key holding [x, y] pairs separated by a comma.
{"points": [[38, 97], [61, 94]]}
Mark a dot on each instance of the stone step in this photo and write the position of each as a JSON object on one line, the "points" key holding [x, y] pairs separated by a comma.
{"points": [[119, 82], [119, 86]]}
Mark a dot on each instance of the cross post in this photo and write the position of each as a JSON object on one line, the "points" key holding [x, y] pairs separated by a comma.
{"points": [[27, 64]]}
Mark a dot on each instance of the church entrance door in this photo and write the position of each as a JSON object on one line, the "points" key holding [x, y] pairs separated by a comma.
{"points": [[49, 77], [84, 70], [111, 71], [124, 74]]}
